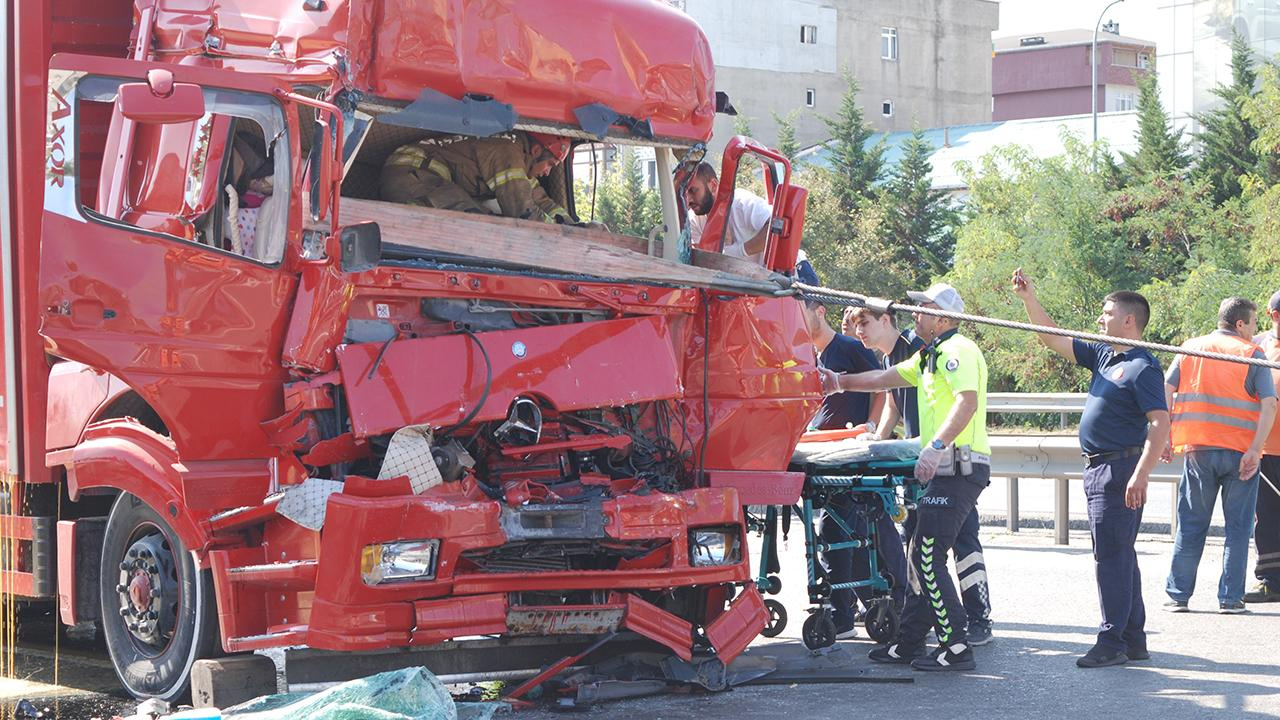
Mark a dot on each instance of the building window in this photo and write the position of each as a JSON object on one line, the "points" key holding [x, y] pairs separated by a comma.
{"points": [[1144, 61], [809, 34], [886, 108], [1126, 102], [889, 43], [810, 97]]}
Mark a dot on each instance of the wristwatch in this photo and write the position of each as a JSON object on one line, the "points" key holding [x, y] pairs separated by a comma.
{"points": [[937, 444]]}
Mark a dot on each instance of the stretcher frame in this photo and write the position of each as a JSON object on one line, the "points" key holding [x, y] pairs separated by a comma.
{"points": [[893, 484]]}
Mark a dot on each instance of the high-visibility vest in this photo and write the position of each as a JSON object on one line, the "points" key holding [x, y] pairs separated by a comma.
{"points": [[1212, 408], [1270, 345]]}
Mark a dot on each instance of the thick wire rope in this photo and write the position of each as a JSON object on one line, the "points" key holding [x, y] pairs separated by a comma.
{"points": [[840, 297]]}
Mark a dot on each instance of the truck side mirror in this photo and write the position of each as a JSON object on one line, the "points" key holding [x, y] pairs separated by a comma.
{"points": [[360, 246], [160, 100]]}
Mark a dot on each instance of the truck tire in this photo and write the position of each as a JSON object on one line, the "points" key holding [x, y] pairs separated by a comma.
{"points": [[158, 610]]}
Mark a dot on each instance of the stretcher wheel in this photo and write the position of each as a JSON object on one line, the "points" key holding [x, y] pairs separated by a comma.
{"points": [[881, 621], [777, 619], [819, 631], [773, 585]]}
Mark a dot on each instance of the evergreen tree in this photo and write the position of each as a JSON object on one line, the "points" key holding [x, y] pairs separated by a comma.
{"points": [[787, 144], [748, 176], [1162, 153], [918, 219], [1227, 138], [856, 168], [623, 202]]}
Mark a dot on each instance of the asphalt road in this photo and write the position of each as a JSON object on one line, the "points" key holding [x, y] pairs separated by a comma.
{"points": [[1204, 665]]}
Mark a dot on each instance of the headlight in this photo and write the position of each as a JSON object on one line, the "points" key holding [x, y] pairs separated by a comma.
{"points": [[714, 546], [399, 561]]}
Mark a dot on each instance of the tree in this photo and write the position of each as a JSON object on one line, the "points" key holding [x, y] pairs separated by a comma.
{"points": [[1227, 138], [747, 176], [787, 134], [1161, 151], [918, 219], [856, 168], [622, 202]]}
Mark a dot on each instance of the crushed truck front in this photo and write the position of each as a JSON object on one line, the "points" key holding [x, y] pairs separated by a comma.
{"points": [[358, 425]]}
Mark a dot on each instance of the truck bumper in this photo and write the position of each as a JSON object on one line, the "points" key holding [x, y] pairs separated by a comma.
{"points": [[465, 598]]}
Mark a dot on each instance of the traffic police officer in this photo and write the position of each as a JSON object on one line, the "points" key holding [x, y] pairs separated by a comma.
{"points": [[461, 174], [1123, 432], [950, 376]]}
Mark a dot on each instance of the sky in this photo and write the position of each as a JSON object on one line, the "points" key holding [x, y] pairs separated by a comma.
{"points": [[1137, 18]]}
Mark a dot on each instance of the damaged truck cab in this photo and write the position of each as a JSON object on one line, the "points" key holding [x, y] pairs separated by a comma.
{"points": [[263, 408]]}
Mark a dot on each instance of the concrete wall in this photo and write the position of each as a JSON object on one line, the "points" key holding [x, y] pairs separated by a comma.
{"points": [[942, 75]]}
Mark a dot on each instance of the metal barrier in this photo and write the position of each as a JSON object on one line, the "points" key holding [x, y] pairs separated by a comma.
{"points": [[1055, 457]]}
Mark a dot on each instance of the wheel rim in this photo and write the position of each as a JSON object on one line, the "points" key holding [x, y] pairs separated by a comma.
{"points": [[148, 591]]}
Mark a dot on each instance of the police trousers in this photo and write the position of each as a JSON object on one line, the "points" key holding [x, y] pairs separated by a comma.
{"points": [[971, 568], [932, 601], [1114, 529]]}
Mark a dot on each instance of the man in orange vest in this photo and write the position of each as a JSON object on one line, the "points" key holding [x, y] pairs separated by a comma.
{"points": [[1222, 414], [1266, 534]]}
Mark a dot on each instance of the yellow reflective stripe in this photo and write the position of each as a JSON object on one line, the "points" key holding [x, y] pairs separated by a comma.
{"points": [[505, 177], [410, 155], [439, 168]]}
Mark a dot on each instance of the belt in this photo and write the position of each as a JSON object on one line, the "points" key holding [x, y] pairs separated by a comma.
{"points": [[1097, 459]]}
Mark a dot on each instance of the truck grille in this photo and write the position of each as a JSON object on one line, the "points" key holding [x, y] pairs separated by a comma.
{"points": [[551, 556]]}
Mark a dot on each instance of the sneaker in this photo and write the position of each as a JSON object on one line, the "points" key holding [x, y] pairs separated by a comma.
{"points": [[979, 634], [957, 656], [1176, 606], [847, 633], [895, 654], [1262, 593], [1232, 608], [1137, 652], [1099, 656]]}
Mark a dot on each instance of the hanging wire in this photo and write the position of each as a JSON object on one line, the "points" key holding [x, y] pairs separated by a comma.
{"points": [[840, 297]]}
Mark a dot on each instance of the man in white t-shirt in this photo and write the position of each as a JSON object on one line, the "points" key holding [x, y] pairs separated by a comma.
{"points": [[748, 220]]}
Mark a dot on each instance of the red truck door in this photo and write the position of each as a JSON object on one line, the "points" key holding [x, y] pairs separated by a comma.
{"points": [[167, 221]]}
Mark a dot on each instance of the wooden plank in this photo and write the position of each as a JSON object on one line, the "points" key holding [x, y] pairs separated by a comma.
{"points": [[561, 248]]}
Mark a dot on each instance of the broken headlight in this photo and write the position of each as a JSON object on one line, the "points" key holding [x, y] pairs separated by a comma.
{"points": [[715, 546], [407, 561]]}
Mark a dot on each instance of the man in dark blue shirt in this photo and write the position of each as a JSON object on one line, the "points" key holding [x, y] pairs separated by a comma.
{"points": [[1123, 433], [848, 409]]}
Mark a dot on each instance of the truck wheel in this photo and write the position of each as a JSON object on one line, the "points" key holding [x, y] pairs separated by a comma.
{"points": [[158, 614]]}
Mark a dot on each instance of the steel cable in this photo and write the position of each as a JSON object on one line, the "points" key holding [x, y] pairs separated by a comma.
{"points": [[840, 297]]}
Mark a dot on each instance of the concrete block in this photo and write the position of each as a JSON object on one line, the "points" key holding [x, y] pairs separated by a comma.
{"points": [[229, 681]]}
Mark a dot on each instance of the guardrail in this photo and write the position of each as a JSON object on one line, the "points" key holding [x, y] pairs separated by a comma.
{"points": [[1055, 457]]}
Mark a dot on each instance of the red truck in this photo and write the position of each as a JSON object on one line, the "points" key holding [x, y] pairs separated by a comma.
{"points": [[247, 405]]}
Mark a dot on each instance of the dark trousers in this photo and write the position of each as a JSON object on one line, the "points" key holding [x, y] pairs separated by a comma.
{"points": [[1114, 528], [849, 565], [971, 568], [932, 601], [1266, 534]]}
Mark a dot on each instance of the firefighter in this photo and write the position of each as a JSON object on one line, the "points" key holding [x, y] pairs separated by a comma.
{"points": [[463, 174]]}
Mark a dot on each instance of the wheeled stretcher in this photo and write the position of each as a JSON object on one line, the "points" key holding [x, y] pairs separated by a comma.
{"points": [[875, 480]]}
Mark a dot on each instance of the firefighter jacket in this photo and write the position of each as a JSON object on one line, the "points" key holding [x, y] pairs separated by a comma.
{"points": [[1270, 345], [1212, 408], [486, 169]]}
